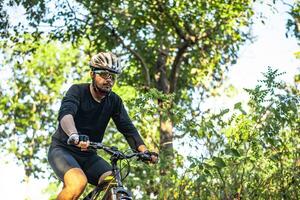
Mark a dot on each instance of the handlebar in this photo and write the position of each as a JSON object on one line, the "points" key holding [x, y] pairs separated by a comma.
{"points": [[118, 154]]}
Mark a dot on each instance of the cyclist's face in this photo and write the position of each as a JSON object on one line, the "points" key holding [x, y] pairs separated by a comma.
{"points": [[107, 75], [104, 80]]}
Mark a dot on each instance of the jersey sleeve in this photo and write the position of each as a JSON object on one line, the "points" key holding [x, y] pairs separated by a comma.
{"points": [[125, 126], [70, 102]]}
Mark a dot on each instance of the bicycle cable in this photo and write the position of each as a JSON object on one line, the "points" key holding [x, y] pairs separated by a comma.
{"points": [[121, 169]]}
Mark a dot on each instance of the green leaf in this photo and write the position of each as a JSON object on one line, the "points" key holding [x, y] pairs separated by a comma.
{"points": [[233, 152], [219, 162]]}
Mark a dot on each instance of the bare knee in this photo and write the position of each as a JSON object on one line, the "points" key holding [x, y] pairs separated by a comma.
{"points": [[103, 176], [75, 182]]}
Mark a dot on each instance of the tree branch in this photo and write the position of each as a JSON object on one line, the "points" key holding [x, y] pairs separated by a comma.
{"points": [[178, 30], [139, 57], [132, 51], [187, 34], [162, 81], [176, 66]]}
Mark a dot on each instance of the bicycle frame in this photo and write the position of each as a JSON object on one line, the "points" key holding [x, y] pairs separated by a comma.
{"points": [[115, 190]]}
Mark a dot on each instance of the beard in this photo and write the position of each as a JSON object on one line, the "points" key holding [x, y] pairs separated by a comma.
{"points": [[106, 88]]}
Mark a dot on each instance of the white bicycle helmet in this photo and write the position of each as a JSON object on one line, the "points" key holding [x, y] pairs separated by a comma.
{"points": [[106, 61]]}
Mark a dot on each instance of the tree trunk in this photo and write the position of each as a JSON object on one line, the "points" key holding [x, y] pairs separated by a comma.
{"points": [[166, 125], [166, 136]]}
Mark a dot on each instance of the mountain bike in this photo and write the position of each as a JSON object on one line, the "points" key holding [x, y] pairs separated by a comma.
{"points": [[112, 188]]}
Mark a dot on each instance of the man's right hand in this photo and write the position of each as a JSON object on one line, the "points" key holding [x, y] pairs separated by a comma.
{"points": [[81, 141]]}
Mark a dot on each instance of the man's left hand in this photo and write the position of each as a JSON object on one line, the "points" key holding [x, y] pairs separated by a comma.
{"points": [[154, 156]]}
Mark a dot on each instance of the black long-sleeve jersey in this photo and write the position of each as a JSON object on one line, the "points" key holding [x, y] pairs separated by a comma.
{"points": [[91, 117]]}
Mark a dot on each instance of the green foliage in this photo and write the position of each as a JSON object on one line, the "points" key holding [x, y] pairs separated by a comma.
{"points": [[30, 100], [169, 45], [254, 154], [247, 152], [293, 24], [174, 48], [51, 190], [199, 38]]}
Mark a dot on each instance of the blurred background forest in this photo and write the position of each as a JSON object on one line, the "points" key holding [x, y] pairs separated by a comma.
{"points": [[177, 56]]}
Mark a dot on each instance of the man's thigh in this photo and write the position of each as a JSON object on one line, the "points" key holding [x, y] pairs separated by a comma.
{"points": [[94, 167], [61, 161]]}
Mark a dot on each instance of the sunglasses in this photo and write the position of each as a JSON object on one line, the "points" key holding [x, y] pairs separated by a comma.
{"points": [[106, 74]]}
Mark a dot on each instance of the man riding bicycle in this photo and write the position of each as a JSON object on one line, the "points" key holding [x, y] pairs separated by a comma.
{"points": [[83, 116]]}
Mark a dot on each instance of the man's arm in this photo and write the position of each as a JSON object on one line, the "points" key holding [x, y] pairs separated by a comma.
{"points": [[68, 109], [68, 125], [125, 125]]}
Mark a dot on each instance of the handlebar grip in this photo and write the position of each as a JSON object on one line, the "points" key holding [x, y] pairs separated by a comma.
{"points": [[145, 157], [74, 139]]}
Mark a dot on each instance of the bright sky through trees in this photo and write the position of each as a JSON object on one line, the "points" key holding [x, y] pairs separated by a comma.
{"points": [[271, 48]]}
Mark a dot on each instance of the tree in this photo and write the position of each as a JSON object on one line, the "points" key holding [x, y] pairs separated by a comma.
{"points": [[250, 153], [173, 44], [175, 49], [293, 27], [293, 24], [29, 100]]}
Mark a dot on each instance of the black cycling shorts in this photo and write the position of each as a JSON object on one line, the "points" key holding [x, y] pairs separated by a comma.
{"points": [[62, 159]]}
